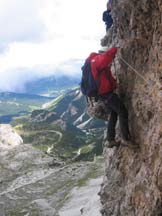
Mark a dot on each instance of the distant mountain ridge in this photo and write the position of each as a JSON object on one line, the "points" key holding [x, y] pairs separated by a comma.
{"points": [[50, 85], [35, 94], [15, 104], [64, 127], [14, 96]]}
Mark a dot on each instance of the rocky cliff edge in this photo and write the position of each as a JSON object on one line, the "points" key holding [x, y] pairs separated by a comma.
{"points": [[133, 178]]}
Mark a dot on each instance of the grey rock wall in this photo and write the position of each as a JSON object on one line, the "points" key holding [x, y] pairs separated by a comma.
{"points": [[133, 178]]}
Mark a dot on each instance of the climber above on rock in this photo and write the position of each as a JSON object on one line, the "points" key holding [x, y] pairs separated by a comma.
{"points": [[106, 84], [106, 16]]}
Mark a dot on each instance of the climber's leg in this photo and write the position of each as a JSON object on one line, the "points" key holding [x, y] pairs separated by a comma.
{"points": [[116, 105]]}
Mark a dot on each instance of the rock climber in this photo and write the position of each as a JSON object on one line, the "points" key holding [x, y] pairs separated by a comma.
{"points": [[106, 93], [106, 16]]}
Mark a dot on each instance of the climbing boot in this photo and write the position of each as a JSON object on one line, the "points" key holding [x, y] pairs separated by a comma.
{"points": [[111, 144]]}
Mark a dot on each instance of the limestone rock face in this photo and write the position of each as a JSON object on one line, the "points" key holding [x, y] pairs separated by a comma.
{"points": [[34, 183], [8, 137], [133, 178]]}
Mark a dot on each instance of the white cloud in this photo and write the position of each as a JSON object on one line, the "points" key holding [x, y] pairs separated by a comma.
{"points": [[20, 21], [47, 33]]}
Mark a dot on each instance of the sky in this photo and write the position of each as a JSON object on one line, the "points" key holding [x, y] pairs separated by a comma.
{"points": [[38, 37]]}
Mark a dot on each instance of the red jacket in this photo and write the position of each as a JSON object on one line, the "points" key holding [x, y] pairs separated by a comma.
{"points": [[100, 62]]}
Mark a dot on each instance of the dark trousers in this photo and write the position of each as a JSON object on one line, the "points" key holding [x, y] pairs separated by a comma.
{"points": [[117, 109]]}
